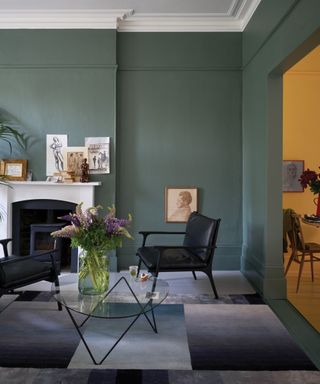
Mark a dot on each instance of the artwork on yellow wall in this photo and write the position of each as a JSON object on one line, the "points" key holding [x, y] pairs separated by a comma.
{"points": [[291, 172]]}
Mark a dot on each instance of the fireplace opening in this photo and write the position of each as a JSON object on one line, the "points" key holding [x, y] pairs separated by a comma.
{"points": [[32, 223]]}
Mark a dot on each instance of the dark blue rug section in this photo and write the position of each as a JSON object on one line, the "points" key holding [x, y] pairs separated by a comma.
{"points": [[128, 376], [36, 335], [241, 338]]}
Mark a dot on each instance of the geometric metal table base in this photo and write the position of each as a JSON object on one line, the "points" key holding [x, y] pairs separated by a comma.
{"points": [[143, 309]]}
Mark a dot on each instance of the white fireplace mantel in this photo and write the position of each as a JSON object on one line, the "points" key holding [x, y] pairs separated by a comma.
{"points": [[31, 190]]}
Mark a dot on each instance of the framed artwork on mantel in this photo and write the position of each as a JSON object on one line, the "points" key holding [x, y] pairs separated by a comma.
{"points": [[55, 148], [98, 154], [73, 157], [15, 170]]}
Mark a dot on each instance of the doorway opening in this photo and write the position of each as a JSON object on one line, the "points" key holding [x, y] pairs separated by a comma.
{"points": [[301, 135]]}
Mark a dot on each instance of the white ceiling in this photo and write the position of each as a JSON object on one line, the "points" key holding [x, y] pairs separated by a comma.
{"points": [[129, 15]]}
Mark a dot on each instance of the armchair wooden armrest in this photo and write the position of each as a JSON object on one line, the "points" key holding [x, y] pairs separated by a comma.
{"points": [[4, 243], [145, 234]]}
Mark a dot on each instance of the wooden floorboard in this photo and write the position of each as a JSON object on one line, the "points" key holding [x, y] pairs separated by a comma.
{"points": [[307, 300]]}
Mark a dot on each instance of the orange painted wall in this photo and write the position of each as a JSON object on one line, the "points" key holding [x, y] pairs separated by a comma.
{"points": [[301, 129]]}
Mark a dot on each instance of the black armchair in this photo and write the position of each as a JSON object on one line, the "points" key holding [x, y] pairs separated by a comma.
{"points": [[195, 254], [19, 271]]}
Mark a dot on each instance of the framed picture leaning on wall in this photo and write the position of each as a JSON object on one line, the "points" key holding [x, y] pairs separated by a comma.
{"points": [[15, 170], [99, 154], [179, 203], [291, 172], [73, 157], [55, 148]]}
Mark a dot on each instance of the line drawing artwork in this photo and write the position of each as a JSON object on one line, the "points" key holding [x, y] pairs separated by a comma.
{"points": [[55, 159]]}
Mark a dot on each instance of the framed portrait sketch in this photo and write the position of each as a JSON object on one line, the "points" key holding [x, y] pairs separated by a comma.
{"points": [[179, 203], [291, 172], [15, 170], [73, 157], [99, 154], [55, 149]]}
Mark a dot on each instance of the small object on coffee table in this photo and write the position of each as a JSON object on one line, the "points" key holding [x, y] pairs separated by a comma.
{"points": [[144, 276]]}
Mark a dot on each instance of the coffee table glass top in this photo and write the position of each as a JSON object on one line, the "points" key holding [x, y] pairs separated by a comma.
{"points": [[126, 297]]}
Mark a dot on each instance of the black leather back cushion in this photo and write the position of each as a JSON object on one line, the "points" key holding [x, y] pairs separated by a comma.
{"points": [[199, 231]]}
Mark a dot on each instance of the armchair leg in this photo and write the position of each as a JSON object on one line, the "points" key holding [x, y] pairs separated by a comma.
{"points": [[139, 267], [194, 275], [209, 274], [57, 285]]}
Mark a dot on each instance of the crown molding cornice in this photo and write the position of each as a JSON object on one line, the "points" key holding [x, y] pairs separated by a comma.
{"points": [[179, 23], [234, 19], [63, 19]]}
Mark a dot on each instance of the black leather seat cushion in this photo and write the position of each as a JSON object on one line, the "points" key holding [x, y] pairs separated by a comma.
{"points": [[174, 258], [19, 272]]}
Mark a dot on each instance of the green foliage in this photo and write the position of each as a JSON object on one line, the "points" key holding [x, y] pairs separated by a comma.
{"points": [[10, 135]]}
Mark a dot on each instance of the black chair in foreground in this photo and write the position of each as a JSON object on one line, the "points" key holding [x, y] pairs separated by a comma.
{"points": [[19, 271], [195, 254]]}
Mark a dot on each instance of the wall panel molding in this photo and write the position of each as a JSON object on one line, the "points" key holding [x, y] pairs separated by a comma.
{"points": [[57, 66], [182, 69]]}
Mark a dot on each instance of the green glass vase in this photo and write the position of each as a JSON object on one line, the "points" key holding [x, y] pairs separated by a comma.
{"points": [[93, 278]]}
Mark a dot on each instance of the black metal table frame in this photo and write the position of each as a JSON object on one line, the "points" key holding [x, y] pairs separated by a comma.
{"points": [[143, 311]]}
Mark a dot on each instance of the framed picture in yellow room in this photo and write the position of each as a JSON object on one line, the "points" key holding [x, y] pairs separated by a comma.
{"points": [[291, 172]]}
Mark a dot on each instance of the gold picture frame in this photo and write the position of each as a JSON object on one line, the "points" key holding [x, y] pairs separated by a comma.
{"points": [[15, 170], [179, 203]]}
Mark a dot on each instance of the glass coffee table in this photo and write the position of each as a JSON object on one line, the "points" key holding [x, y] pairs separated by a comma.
{"points": [[126, 298]]}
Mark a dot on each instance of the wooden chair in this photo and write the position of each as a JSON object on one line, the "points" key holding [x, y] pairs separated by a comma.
{"points": [[19, 271], [195, 254], [301, 251]]}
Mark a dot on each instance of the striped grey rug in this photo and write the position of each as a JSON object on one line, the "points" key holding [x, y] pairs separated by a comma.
{"points": [[200, 336]]}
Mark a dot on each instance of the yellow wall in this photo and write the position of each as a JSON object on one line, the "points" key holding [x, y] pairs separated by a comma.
{"points": [[301, 129]]}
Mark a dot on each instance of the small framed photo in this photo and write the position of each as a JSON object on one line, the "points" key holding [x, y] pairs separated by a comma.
{"points": [[15, 170], [179, 203], [73, 157], [291, 172]]}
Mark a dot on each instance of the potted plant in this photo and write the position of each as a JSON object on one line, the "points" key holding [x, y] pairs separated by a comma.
{"points": [[10, 134]]}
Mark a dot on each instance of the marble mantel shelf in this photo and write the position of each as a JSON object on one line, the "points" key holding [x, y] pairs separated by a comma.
{"points": [[46, 183]]}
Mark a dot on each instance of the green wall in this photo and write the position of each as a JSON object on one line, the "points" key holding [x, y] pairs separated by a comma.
{"points": [[276, 37], [179, 124], [63, 82], [171, 103], [182, 109]]}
